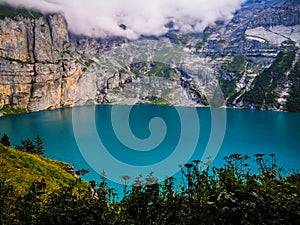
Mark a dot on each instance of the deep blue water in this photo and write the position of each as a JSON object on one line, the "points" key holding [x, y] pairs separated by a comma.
{"points": [[111, 137]]}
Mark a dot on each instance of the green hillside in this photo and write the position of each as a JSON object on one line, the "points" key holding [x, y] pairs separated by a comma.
{"points": [[21, 169]]}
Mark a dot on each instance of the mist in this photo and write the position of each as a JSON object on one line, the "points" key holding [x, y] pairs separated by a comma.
{"points": [[100, 18]]}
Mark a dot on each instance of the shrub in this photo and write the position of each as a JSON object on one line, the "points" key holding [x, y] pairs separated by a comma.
{"points": [[227, 195]]}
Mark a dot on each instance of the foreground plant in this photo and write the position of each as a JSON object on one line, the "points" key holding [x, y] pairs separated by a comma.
{"points": [[204, 195]]}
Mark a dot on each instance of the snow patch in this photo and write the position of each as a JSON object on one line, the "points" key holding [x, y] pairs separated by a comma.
{"points": [[255, 39], [274, 35], [263, 33]]}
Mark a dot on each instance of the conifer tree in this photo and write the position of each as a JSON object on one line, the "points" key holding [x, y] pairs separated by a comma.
{"points": [[39, 145], [27, 146], [5, 140]]}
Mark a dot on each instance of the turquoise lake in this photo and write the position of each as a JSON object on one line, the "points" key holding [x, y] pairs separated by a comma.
{"points": [[77, 135]]}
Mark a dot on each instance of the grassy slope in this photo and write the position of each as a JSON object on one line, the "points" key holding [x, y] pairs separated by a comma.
{"points": [[22, 169]]}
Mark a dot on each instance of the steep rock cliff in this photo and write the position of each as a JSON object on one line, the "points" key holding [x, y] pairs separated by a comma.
{"points": [[39, 67]]}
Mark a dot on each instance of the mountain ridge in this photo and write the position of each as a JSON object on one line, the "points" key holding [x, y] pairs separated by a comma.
{"points": [[47, 67]]}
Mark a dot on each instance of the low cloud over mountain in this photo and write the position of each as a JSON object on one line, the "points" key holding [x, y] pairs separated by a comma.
{"points": [[132, 18]]}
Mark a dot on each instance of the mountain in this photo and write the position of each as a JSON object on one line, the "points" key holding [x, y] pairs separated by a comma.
{"points": [[269, 43], [254, 57], [39, 68]]}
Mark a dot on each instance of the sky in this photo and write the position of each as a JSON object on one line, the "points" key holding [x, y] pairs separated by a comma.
{"points": [[101, 18]]}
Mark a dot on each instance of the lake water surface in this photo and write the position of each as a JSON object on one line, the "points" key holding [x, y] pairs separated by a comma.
{"points": [[69, 135]]}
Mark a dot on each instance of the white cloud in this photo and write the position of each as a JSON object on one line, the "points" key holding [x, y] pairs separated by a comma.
{"points": [[142, 17]]}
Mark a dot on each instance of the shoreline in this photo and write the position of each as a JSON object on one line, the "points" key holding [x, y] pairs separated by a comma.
{"points": [[143, 103]]}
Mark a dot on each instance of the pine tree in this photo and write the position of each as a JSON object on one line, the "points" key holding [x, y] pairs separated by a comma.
{"points": [[28, 146], [5, 140], [39, 145]]}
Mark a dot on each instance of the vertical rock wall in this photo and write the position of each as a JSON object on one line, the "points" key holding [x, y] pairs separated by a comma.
{"points": [[38, 69]]}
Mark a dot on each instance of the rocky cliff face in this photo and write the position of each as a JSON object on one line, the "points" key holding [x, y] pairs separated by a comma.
{"points": [[255, 56], [38, 70], [287, 15]]}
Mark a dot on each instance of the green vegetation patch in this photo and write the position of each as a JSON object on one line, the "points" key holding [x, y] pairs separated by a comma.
{"points": [[199, 45], [289, 43], [228, 86], [154, 68], [136, 72], [8, 110], [283, 62], [138, 68], [221, 41], [237, 65], [11, 12], [265, 86], [161, 70], [89, 62], [21, 169], [158, 101], [178, 38], [262, 90], [293, 101]]}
